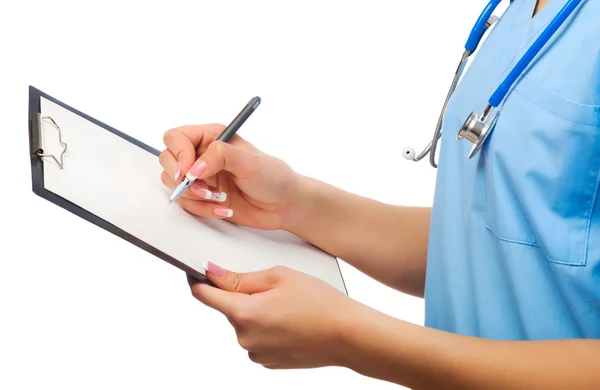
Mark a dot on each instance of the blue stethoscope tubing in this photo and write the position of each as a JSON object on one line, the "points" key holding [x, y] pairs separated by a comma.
{"points": [[477, 127], [530, 54]]}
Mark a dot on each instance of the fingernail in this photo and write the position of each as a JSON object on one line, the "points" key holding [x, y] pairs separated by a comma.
{"points": [[197, 169], [223, 212], [178, 172], [219, 197], [201, 192], [213, 269]]}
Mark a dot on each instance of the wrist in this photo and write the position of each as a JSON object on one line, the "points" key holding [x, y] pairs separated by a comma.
{"points": [[303, 204], [376, 345], [344, 331], [353, 335]]}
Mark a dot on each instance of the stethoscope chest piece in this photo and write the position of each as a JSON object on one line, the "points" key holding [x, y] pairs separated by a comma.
{"points": [[476, 129]]}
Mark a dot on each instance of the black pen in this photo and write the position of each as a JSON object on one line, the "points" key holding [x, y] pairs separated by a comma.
{"points": [[225, 136]]}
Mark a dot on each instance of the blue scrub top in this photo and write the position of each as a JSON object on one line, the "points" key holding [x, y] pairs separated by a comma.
{"points": [[514, 249]]}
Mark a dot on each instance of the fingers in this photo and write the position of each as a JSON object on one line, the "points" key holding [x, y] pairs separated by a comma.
{"points": [[205, 208], [183, 151], [221, 300], [192, 281], [183, 141], [223, 156], [187, 142], [170, 165], [200, 198], [247, 283], [198, 191]]}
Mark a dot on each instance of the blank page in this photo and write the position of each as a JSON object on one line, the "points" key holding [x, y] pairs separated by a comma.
{"points": [[119, 182]]}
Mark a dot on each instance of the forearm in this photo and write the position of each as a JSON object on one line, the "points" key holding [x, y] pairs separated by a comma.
{"points": [[387, 242], [421, 358]]}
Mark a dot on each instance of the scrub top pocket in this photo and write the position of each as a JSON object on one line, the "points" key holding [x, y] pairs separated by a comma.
{"points": [[542, 164]]}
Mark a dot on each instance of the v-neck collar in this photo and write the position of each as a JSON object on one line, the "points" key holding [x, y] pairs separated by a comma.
{"points": [[530, 25], [524, 29]]}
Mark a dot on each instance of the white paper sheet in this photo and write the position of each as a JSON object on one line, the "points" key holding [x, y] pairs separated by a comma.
{"points": [[120, 183]]}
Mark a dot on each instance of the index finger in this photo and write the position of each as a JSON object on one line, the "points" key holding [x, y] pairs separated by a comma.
{"points": [[183, 141]]}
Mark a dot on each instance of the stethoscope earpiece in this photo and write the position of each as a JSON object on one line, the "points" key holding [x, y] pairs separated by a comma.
{"points": [[408, 153]]}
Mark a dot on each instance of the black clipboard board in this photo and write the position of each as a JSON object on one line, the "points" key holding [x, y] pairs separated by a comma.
{"points": [[296, 251], [37, 177]]}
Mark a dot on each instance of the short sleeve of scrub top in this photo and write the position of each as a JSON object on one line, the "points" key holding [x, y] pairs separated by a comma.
{"points": [[514, 247]]}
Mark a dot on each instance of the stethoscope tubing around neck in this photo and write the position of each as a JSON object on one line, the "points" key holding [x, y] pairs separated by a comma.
{"points": [[500, 92], [480, 26], [477, 127]]}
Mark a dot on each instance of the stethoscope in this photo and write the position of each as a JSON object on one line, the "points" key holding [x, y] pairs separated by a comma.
{"points": [[477, 128]]}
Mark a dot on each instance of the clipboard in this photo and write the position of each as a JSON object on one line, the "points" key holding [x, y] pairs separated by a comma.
{"points": [[112, 180]]}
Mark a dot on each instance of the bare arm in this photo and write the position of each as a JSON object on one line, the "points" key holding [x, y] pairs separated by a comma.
{"points": [[386, 242], [422, 358]]}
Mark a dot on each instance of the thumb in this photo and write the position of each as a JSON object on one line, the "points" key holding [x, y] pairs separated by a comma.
{"points": [[246, 283], [224, 156]]}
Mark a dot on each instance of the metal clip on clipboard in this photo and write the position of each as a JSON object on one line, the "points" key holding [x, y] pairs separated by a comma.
{"points": [[38, 151], [166, 232]]}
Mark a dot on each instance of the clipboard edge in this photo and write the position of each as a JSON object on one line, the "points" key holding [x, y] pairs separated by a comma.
{"points": [[38, 187], [37, 184]]}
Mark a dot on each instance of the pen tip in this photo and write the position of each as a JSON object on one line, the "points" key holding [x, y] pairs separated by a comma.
{"points": [[170, 200]]}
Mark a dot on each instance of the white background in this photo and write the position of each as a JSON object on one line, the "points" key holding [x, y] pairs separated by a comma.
{"points": [[345, 86]]}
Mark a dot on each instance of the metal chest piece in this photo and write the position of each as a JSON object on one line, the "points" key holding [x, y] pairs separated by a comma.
{"points": [[476, 129]]}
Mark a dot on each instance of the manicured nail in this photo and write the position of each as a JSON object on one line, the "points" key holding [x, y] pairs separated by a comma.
{"points": [[219, 196], [196, 170], [178, 171], [213, 269], [223, 212], [201, 192]]}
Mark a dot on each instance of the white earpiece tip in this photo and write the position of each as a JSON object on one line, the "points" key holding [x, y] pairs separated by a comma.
{"points": [[408, 153]]}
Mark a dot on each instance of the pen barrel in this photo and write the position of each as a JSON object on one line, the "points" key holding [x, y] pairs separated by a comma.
{"points": [[239, 120]]}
